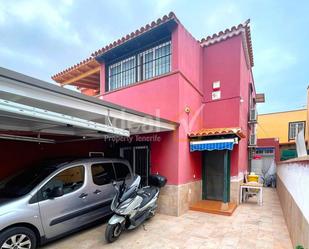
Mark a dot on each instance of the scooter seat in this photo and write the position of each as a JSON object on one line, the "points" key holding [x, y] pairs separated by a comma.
{"points": [[147, 194]]}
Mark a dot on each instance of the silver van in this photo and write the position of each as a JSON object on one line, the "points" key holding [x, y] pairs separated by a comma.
{"points": [[54, 199]]}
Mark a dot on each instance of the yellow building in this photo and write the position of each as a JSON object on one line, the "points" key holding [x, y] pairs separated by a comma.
{"points": [[284, 126]]}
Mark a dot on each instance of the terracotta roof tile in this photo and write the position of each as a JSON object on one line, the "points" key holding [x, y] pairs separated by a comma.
{"points": [[243, 28], [76, 66], [147, 27], [217, 131]]}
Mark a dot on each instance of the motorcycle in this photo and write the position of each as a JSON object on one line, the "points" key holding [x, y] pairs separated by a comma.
{"points": [[133, 205]]}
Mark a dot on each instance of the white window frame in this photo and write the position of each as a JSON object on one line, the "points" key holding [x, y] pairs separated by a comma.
{"points": [[120, 83], [137, 60], [296, 125], [153, 50]]}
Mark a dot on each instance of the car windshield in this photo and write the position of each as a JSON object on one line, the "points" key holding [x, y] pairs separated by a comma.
{"points": [[22, 183]]}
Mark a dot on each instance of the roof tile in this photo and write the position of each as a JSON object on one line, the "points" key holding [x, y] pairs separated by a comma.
{"points": [[217, 131]]}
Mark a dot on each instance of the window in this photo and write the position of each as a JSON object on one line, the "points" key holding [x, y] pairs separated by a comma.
{"points": [[265, 151], [102, 173], [69, 180], [155, 61], [145, 65], [295, 128], [122, 171], [122, 73]]}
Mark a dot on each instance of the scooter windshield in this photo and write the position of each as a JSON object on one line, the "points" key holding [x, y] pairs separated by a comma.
{"points": [[131, 190]]}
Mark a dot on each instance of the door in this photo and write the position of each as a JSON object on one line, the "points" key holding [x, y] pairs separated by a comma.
{"points": [[141, 163], [67, 212], [101, 189], [138, 156], [216, 175]]}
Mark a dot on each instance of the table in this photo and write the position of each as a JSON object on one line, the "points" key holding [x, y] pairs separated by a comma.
{"points": [[250, 186]]}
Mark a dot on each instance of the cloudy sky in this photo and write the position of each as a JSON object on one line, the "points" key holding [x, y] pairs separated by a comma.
{"points": [[40, 38]]}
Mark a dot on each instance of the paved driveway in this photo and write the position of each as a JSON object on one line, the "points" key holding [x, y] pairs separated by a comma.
{"points": [[250, 227]]}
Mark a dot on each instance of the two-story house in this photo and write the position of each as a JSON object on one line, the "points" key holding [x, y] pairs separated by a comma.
{"points": [[205, 86]]}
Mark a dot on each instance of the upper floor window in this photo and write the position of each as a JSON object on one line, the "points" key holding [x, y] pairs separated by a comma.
{"points": [[295, 128], [142, 66]]}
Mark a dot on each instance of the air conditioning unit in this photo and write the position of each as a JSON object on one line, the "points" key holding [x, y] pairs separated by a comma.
{"points": [[253, 115], [252, 140]]}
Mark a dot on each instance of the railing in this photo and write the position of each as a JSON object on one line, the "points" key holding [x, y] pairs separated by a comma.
{"points": [[142, 66]]}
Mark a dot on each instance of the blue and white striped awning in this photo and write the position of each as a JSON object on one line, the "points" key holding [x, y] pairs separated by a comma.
{"points": [[214, 144]]}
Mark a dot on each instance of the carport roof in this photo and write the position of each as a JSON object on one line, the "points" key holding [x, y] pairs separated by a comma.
{"points": [[18, 90]]}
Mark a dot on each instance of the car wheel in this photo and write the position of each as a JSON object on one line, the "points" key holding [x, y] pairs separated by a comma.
{"points": [[18, 238]]}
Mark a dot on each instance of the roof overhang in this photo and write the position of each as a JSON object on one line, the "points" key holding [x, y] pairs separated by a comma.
{"points": [[157, 34], [85, 74], [215, 132], [31, 105]]}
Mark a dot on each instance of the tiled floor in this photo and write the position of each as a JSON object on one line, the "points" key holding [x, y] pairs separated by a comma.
{"points": [[250, 227]]}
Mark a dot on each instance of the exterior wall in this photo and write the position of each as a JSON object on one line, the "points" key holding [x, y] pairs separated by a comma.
{"points": [[165, 157], [187, 55], [102, 78], [20, 155], [150, 96], [270, 142], [225, 62], [292, 179], [189, 85], [267, 129], [89, 92], [176, 199]]}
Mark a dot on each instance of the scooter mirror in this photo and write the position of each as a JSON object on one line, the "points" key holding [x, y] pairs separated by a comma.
{"points": [[114, 183]]}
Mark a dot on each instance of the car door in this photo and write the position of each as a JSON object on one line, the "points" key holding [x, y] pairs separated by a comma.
{"points": [[67, 212], [102, 190]]}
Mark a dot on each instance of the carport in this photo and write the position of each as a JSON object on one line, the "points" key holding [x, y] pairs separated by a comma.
{"points": [[40, 120]]}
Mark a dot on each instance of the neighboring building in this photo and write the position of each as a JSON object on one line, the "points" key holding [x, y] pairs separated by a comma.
{"points": [[283, 126], [206, 86]]}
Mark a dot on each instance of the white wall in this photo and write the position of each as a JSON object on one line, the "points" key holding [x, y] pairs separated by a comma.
{"points": [[295, 177]]}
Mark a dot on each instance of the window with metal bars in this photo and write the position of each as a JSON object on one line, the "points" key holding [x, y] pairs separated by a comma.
{"points": [[142, 66]]}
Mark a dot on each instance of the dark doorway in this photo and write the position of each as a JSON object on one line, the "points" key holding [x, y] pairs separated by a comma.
{"points": [[138, 156], [216, 175]]}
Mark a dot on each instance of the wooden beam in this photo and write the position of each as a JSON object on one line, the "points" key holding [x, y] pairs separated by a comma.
{"points": [[81, 76], [84, 85], [89, 81]]}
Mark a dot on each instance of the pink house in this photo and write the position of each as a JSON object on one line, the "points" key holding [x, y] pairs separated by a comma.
{"points": [[205, 86]]}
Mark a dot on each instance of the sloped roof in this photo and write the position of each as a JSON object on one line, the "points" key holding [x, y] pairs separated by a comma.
{"points": [[243, 29], [171, 16], [140, 31], [222, 35], [84, 65], [217, 132]]}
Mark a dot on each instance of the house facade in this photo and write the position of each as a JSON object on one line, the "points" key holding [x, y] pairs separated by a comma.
{"points": [[283, 127], [205, 86]]}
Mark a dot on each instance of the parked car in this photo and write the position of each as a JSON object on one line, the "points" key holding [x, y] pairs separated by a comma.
{"points": [[53, 199]]}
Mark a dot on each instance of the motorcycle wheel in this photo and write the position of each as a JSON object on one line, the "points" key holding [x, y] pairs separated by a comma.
{"points": [[112, 232]]}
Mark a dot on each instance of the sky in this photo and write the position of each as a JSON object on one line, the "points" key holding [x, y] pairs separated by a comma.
{"points": [[42, 37]]}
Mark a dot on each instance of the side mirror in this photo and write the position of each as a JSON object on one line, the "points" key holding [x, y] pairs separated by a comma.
{"points": [[114, 183], [56, 192]]}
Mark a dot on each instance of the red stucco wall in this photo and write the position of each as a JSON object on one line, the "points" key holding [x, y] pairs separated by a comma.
{"points": [[19, 155], [194, 69], [270, 142]]}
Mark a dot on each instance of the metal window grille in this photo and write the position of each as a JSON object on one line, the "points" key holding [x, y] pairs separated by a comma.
{"points": [[146, 65]]}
